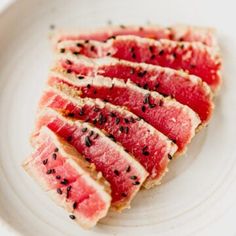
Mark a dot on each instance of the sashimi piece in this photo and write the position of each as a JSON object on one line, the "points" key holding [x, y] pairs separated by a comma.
{"points": [[186, 89], [176, 33], [71, 181], [151, 148], [194, 58], [121, 170], [178, 122]]}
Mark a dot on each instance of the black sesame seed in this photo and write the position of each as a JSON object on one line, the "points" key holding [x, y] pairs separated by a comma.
{"points": [[116, 172], [111, 137], [132, 49], [86, 41], [181, 39], [100, 119], [49, 172], [54, 156], [88, 86], [124, 194], [88, 142], [69, 188], [133, 177], [59, 191], [121, 129], [56, 150], [126, 120], [80, 77], [146, 99], [96, 136], [70, 114], [152, 105], [174, 141], [144, 151], [75, 204], [112, 37], [81, 112], [136, 183], [143, 108], [92, 48], [128, 169], [68, 62], [122, 27], [133, 55], [95, 121], [80, 45], [170, 157], [64, 182], [45, 161], [126, 130], [87, 159], [105, 100], [192, 66], [112, 86], [76, 53], [62, 50], [182, 46], [94, 91], [108, 54], [52, 27], [161, 52], [174, 55], [145, 86], [72, 217], [117, 121], [132, 120], [142, 73], [112, 114], [69, 71], [153, 57], [157, 86], [87, 120], [58, 177], [91, 133], [151, 48], [69, 138]]}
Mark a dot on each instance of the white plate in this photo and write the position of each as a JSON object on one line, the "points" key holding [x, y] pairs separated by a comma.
{"points": [[197, 196]]}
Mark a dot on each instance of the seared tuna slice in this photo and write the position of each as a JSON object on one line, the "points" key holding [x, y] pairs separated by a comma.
{"points": [[178, 122], [151, 148], [176, 33], [107, 156], [186, 89], [70, 181], [195, 58]]}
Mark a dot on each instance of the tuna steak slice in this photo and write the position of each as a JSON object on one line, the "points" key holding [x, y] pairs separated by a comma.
{"points": [[176, 33], [151, 148], [195, 58], [124, 173], [69, 180], [178, 122], [186, 89]]}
